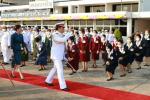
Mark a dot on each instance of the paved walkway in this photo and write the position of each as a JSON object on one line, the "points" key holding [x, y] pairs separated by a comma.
{"points": [[136, 82]]}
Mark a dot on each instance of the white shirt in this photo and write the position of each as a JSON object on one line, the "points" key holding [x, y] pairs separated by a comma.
{"points": [[58, 45], [26, 37], [122, 50], [109, 54], [138, 43], [110, 38], [43, 35]]}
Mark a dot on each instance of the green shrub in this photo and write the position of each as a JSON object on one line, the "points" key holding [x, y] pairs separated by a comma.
{"points": [[118, 34]]}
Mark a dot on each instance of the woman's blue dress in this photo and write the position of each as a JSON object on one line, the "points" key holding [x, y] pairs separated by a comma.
{"points": [[17, 44], [42, 55]]}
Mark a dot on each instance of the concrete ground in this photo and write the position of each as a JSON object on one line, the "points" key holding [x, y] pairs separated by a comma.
{"points": [[136, 82]]}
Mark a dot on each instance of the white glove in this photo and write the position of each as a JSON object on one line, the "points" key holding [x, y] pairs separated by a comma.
{"points": [[68, 35]]}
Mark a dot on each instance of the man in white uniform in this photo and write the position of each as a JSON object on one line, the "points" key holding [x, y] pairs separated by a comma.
{"points": [[57, 55], [43, 34], [110, 37], [1, 34], [10, 51], [26, 38], [29, 36], [5, 45]]}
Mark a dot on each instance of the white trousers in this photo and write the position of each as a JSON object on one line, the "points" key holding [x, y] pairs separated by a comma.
{"points": [[5, 52], [58, 67], [10, 53]]}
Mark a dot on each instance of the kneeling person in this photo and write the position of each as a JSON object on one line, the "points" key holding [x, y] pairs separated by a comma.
{"points": [[42, 53]]}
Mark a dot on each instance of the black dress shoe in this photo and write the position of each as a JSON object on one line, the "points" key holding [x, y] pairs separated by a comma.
{"points": [[22, 65], [83, 70], [139, 68], [110, 79], [71, 73], [49, 84], [86, 70], [65, 89], [123, 75], [5, 63], [41, 69], [146, 65], [44, 68]]}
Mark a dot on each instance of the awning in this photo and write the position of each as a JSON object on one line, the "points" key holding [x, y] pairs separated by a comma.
{"points": [[79, 16]]}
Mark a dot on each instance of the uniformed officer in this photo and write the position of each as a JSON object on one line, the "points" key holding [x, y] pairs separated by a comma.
{"points": [[5, 45], [57, 55]]}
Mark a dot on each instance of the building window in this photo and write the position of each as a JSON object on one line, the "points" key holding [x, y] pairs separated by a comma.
{"points": [[76, 22], [51, 11], [1, 23], [89, 22], [120, 22], [75, 9], [12, 22], [51, 22], [83, 22], [87, 9], [65, 10], [123, 31], [99, 8], [134, 7], [126, 7], [106, 22], [70, 22], [31, 0], [99, 22], [32, 23]]}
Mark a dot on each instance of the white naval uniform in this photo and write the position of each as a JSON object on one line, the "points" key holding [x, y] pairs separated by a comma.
{"points": [[43, 35], [31, 42], [10, 51], [57, 55], [110, 38], [5, 43], [1, 34], [27, 39]]}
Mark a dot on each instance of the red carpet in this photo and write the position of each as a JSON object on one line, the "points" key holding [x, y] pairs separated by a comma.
{"points": [[82, 89]]}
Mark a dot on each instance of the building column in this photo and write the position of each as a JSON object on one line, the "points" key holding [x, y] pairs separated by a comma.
{"points": [[69, 9], [41, 23], [66, 23], [21, 23], [141, 5], [110, 29], [129, 27], [3, 22], [94, 24], [108, 7]]}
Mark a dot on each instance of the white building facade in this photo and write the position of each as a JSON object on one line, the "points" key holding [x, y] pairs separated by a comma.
{"points": [[128, 15]]}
